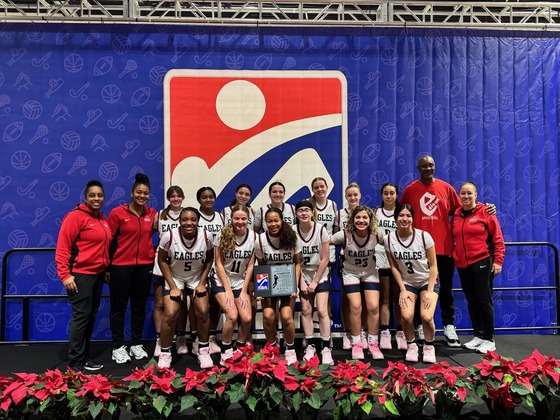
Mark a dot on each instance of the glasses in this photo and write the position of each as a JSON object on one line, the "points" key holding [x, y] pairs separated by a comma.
{"points": [[304, 210]]}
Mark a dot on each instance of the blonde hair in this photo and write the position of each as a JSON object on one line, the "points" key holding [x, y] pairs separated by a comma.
{"points": [[227, 235]]}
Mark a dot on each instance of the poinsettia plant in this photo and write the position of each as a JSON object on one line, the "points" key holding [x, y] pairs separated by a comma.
{"points": [[408, 387], [17, 395], [153, 392], [205, 391], [450, 384], [303, 386], [98, 397], [256, 378], [53, 389], [500, 379], [355, 387], [544, 373]]}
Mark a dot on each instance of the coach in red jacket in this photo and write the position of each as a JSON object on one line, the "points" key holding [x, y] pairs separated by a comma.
{"points": [[479, 256], [82, 256], [131, 268]]}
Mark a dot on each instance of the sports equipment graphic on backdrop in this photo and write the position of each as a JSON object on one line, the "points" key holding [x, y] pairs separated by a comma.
{"points": [[229, 127], [87, 101]]}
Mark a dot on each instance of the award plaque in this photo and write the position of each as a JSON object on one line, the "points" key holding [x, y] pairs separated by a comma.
{"points": [[275, 280]]}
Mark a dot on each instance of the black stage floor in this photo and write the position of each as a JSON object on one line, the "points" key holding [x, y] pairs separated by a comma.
{"points": [[40, 357]]}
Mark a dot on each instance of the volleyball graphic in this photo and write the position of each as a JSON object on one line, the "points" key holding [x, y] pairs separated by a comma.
{"points": [[108, 171], [32, 110], [70, 140], [17, 239]]}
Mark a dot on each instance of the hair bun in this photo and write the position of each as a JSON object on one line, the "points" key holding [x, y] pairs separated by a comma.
{"points": [[140, 178]]}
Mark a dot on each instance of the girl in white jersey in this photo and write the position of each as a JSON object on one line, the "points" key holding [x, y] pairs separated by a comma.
{"points": [[185, 255], [325, 210], [234, 259], [412, 255], [315, 281], [276, 192], [389, 291], [168, 219], [213, 223], [243, 194], [353, 196], [279, 245], [359, 275]]}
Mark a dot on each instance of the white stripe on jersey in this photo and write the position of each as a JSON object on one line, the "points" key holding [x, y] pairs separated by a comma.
{"points": [[410, 255], [387, 224], [186, 257], [212, 224], [359, 253], [236, 262], [226, 217], [267, 249], [288, 215], [166, 225], [328, 216], [311, 251]]}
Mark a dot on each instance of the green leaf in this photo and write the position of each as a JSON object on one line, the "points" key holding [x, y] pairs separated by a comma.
{"points": [[367, 406], [187, 401], [159, 403], [390, 407], [95, 408], [296, 401], [236, 393], [315, 401], [275, 394], [251, 402]]}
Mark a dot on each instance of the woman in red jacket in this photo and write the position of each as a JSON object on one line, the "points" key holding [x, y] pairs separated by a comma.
{"points": [[479, 255], [82, 256], [132, 250]]}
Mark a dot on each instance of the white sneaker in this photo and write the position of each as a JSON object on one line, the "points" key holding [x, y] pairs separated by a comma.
{"points": [[204, 359], [346, 341], [412, 353], [420, 333], [473, 344], [213, 345], [157, 350], [120, 355], [326, 356], [358, 350], [486, 346], [401, 340], [290, 356], [195, 347], [429, 354], [181, 345], [451, 336], [138, 352], [164, 361], [228, 354], [373, 348], [385, 340], [309, 352]]}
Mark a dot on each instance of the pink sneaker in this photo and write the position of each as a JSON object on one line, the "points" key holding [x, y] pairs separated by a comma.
{"points": [[213, 345], [181, 345], [204, 359], [374, 350], [346, 341], [428, 354], [228, 354], [385, 340], [358, 350], [157, 350], [412, 353], [290, 356], [326, 356], [401, 340], [164, 361], [309, 352]]}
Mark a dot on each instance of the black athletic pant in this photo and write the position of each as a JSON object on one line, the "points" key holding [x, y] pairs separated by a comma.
{"points": [[85, 304], [129, 283], [477, 281], [446, 266]]}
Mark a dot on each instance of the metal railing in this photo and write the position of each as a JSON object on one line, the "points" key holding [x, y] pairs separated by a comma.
{"points": [[26, 299]]}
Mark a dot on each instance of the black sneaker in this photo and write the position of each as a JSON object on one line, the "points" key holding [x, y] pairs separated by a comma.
{"points": [[92, 365]]}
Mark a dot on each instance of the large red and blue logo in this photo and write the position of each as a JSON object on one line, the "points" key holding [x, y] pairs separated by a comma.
{"points": [[224, 128]]}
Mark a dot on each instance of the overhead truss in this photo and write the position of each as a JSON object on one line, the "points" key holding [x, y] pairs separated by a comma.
{"points": [[466, 14]]}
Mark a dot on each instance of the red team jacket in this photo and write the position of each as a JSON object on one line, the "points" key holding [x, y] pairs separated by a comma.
{"points": [[83, 243], [476, 236], [132, 236]]}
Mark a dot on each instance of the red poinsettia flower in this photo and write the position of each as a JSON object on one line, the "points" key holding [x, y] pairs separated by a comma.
{"points": [[195, 379], [97, 385], [53, 382], [540, 365], [18, 389], [142, 375], [163, 384]]}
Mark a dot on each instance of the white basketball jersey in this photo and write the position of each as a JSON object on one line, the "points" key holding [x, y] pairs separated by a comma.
{"points": [[166, 225], [288, 215], [212, 224], [226, 217], [387, 224], [311, 245], [236, 262], [186, 257], [342, 218], [358, 253], [328, 216], [410, 255], [267, 248]]}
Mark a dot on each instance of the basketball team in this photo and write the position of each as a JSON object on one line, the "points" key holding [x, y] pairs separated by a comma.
{"points": [[400, 255]]}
